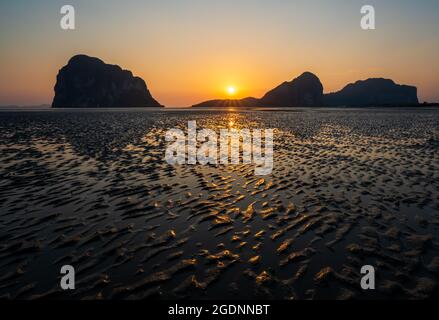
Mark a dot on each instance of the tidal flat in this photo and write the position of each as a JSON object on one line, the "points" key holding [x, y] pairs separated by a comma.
{"points": [[91, 189]]}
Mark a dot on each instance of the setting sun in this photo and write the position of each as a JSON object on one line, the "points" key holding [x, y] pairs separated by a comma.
{"points": [[231, 90]]}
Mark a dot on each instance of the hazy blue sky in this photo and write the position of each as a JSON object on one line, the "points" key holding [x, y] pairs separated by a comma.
{"points": [[191, 50]]}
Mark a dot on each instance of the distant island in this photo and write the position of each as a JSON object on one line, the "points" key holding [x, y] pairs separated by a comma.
{"points": [[307, 91], [373, 92], [88, 82]]}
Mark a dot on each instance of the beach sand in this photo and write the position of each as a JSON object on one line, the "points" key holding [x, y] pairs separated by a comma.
{"points": [[91, 189]]}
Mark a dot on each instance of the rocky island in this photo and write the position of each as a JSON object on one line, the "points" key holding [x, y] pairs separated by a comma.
{"points": [[373, 92], [88, 82], [304, 91]]}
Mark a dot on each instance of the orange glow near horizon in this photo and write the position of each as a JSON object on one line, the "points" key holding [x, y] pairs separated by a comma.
{"points": [[192, 51]]}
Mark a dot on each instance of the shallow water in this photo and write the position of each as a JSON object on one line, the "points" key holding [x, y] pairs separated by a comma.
{"points": [[91, 188]]}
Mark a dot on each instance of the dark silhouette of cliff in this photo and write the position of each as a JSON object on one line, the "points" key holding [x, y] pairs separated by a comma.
{"points": [[373, 92], [89, 82], [304, 91]]}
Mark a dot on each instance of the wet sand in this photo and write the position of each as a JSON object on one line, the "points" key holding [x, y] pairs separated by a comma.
{"points": [[91, 189]]}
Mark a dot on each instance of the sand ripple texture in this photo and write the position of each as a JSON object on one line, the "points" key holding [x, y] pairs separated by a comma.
{"points": [[91, 189]]}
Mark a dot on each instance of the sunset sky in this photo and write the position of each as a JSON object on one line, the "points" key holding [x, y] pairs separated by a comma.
{"points": [[188, 51]]}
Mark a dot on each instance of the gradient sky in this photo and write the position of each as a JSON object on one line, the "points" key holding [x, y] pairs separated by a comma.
{"points": [[188, 51]]}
